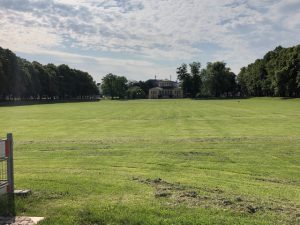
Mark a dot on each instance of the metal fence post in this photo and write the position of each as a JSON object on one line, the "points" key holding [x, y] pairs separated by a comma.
{"points": [[10, 165]]}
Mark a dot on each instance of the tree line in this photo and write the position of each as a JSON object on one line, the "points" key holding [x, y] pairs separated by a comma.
{"points": [[216, 80], [276, 74], [21, 79], [119, 87]]}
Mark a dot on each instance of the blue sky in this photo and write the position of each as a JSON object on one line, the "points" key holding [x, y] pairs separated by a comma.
{"points": [[143, 38]]}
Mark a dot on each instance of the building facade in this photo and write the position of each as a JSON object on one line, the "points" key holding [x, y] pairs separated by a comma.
{"points": [[165, 89]]}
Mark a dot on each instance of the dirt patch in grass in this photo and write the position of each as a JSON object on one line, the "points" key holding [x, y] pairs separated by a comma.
{"points": [[197, 153], [87, 217], [176, 194], [270, 180], [240, 139]]}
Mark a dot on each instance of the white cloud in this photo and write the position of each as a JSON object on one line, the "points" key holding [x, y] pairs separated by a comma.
{"points": [[168, 31], [18, 37], [99, 66]]}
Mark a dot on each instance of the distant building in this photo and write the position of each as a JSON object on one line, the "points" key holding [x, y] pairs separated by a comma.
{"points": [[165, 89]]}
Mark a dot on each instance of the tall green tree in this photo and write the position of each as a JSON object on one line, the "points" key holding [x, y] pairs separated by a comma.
{"points": [[185, 79], [3, 80], [195, 78], [114, 86], [144, 85], [135, 92], [276, 74], [218, 80], [21, 79]]}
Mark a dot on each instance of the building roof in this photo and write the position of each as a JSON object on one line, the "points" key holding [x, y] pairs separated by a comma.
{"points": [[156, 88]]}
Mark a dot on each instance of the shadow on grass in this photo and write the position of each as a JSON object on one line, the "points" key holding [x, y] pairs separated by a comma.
{"points": [[7, 205], [41, 102], [288, 98], [203, 98], [223, 98]]}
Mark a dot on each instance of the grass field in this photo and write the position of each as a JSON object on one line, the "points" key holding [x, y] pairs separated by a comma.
{"points": [[158, 161]]}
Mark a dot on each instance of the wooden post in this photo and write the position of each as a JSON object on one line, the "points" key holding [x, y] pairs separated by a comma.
{"points": [[10, 164]]}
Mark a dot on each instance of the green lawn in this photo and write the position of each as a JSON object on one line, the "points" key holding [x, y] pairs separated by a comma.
{"points": [[158, 161]]}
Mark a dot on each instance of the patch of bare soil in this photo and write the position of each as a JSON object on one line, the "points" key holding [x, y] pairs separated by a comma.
{"points": [[176, 194], [20, 220]]}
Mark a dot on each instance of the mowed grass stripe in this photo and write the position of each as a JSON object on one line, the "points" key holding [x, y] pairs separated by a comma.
{"points": [[219, 161]]}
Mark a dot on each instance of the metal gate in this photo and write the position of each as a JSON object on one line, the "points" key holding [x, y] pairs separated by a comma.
{"points": [[6, 166]]}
